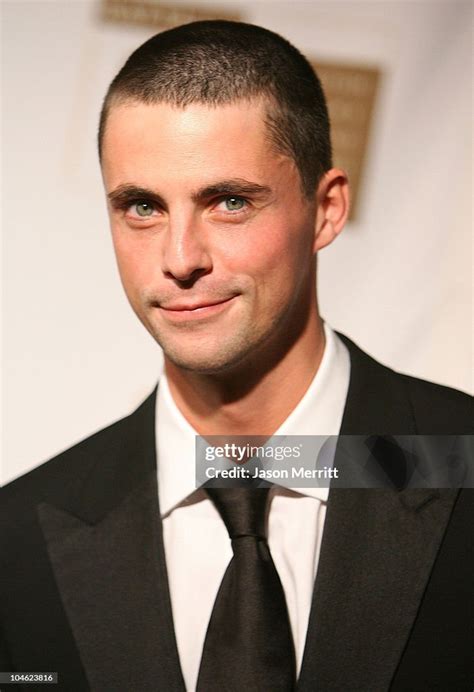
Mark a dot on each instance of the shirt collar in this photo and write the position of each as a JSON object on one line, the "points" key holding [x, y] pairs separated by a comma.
{"points": [[319, 412]]}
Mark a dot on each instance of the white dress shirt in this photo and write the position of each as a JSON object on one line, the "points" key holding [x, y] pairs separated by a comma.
{"points": [[197, 546]]}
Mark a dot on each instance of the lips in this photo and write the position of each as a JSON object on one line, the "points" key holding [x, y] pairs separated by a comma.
{"points": [[188, 307], [185, 312]]}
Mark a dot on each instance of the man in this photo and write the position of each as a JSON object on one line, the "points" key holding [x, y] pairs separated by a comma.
{"points": [[216, 159]]}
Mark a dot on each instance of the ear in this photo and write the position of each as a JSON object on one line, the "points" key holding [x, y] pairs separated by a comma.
{"points": [[332, 207]]}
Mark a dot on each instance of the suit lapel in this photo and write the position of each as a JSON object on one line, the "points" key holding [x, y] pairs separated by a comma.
{"points": [[106, 548], [377, 553]]}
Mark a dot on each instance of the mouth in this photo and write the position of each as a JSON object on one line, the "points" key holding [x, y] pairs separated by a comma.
{"points": [[178, 312]]}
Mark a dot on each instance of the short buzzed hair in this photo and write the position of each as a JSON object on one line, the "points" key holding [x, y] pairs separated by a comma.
{"points": [[221, 62]]}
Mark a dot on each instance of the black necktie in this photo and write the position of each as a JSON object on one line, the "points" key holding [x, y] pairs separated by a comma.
{"points": [[248, 645]]}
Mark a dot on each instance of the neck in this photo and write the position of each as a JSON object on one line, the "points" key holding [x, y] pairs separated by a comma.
{"points": [[257, 399]]}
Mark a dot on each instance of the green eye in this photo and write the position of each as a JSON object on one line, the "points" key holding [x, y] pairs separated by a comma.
{"points": [[234, 203], [143, 208]]}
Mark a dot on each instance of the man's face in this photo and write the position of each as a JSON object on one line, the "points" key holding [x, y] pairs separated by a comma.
{"points": [[213, 237]]}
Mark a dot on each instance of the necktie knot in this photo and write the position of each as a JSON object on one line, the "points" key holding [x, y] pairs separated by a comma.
{"points": [[243, 510]]}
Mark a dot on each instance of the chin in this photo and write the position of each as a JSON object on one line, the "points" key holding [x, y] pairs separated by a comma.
{"points": [[202, 364], [206, 358]]}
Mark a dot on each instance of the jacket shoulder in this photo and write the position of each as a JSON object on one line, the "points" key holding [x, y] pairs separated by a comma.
{"points": [[381, 400], [440, 407], [59, 477]]}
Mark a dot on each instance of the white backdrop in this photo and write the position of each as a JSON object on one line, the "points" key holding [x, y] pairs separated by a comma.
{"points": [[398, 281]]}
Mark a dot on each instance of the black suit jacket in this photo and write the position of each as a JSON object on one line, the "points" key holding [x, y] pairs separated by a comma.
{"points": [[84, 588]]}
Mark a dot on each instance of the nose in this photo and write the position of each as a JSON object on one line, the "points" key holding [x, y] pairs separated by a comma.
{"points": [[185, 254]]}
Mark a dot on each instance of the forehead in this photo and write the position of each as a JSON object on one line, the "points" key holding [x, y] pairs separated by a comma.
{"points": [[180, 141]]}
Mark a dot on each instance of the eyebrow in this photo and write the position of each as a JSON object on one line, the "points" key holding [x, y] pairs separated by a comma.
{"points": [[233, 186], [126, 193]]}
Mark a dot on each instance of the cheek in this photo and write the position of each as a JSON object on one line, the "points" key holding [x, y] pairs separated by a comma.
{"points": [[284, 274], [275, 253]]}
